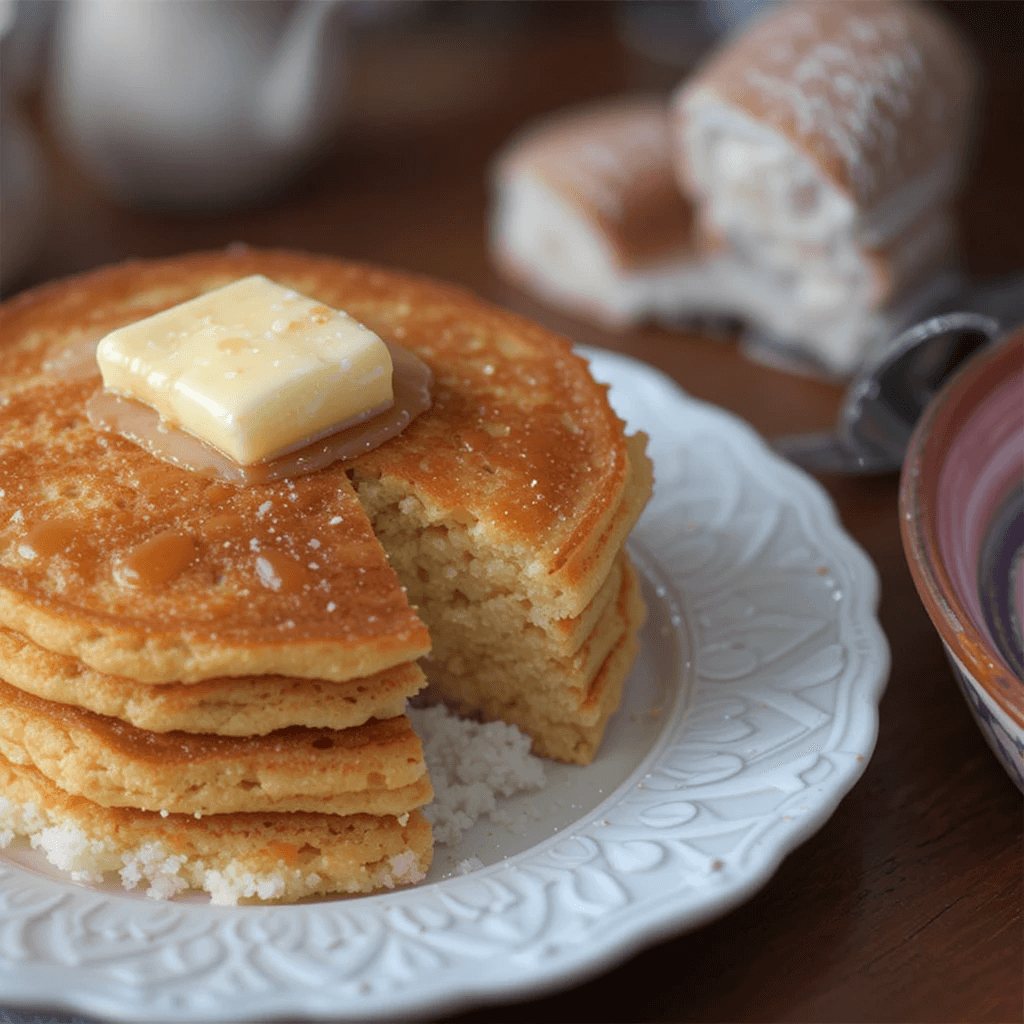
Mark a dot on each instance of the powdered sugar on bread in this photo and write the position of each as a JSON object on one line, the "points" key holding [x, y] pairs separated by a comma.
{"points": [[876, 97], [588, 213], [823, 145], [610, 164]]}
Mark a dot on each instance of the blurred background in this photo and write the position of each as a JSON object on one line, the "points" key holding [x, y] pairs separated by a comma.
{"points": [[363, 129]]}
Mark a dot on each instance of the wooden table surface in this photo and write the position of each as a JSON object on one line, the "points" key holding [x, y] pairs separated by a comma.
{"points": [[906, 905]]}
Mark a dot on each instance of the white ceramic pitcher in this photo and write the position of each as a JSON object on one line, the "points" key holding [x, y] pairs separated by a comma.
{"points": [[24, 182], [196, 105]]}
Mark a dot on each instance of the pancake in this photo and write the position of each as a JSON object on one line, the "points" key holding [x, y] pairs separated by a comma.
{"points": [[215, 617], [520, 449], [229, 706], [237, 858], [376, 768], [253, 663]]}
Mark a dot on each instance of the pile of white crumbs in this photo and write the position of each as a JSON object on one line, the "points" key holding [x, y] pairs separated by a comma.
{"points": [[471, 765]]}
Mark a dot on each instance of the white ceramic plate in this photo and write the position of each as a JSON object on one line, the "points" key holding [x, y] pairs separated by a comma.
{"points": [[750, 713]]}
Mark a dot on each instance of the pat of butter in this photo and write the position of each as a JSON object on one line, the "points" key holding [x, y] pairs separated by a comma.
{"points": [[253, 368]]}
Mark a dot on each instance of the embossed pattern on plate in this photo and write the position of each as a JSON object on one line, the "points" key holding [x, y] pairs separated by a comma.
{"points": [[766, 610]]}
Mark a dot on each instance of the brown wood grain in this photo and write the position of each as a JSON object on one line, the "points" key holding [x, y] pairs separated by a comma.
{"points": [[906, 905]]}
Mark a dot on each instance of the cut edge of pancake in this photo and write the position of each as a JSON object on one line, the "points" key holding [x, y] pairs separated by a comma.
{"points": [[574, 737]]}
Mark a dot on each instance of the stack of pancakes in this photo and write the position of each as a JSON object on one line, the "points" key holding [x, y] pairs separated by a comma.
{"points": [[204, 683]]}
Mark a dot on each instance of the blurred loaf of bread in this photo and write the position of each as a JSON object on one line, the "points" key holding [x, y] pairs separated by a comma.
{"points": [[828, 117], [589, 214], [802, 180], [825, 144]]}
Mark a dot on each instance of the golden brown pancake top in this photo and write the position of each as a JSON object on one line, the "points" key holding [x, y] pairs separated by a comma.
{"points": [[285, 576]]}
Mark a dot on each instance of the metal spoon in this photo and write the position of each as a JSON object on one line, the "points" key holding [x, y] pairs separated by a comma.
{"points": [[888, 395]]}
